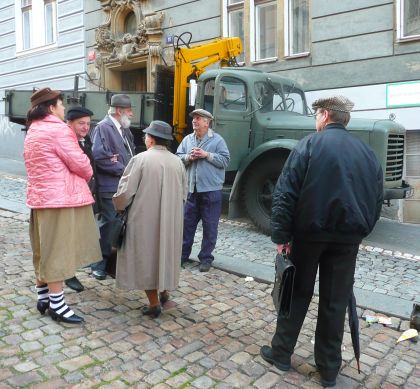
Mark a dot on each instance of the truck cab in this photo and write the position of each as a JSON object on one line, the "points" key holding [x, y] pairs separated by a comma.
{"points": [[262, 116]]}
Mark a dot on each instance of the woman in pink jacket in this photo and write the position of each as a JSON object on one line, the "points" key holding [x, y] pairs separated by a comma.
{"points": [[63, 232]]}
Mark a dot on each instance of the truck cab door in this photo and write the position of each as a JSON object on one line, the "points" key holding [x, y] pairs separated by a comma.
{"points": [[232, 121]]}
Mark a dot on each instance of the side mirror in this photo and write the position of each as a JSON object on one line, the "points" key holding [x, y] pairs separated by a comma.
{"points": [[192, 92]]}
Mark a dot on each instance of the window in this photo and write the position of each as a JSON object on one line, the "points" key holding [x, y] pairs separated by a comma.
{"points": [[296, 20], [232, 95], [412, 155], [26, 23], [31, 35], [408, 19], [272, 96], [265, 27], [131, 23], [235, 22]]}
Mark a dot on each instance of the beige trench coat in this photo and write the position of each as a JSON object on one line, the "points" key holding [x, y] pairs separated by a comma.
{"points": [[154, 183]]}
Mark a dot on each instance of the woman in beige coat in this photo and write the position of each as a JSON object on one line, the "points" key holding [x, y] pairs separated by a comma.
{"points": [[154, 187]]}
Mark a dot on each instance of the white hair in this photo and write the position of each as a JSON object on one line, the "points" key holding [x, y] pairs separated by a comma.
{"points": [[112, 110]]}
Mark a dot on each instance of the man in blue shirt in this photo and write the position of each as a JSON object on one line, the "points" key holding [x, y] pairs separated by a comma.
{"points": [[205, 156]]}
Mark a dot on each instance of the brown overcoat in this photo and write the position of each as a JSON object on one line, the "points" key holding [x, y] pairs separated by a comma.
{"points": [[154, 185]]}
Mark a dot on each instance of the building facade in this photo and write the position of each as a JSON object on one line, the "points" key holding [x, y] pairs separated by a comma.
{"points": [[42, 43], [368, 50]]}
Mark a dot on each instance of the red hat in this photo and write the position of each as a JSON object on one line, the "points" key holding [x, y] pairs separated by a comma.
{"points": [[43, 95]]}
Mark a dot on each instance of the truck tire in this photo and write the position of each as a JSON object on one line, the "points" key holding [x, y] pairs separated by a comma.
{"points": [[258, 190]]}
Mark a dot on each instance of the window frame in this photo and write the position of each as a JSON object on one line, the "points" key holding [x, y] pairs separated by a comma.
{"points": [[38, 33], [288, 33], [400, 24], [227, 10], [253, 30]]}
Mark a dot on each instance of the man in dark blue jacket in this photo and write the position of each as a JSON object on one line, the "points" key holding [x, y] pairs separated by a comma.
{"points": [[113, 147], [327, 199]]}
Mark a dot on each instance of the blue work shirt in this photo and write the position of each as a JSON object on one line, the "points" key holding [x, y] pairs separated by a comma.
{"points": [[205, 174]]}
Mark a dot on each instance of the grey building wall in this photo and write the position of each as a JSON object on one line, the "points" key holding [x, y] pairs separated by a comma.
{"points": [[200, 17], [353, 44], [54, 67]]}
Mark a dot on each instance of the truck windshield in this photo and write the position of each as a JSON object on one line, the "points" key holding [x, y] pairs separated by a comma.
{"points": [[276, 97]]}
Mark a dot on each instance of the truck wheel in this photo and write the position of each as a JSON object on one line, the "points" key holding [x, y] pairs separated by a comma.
{"points": [[258, 190]]}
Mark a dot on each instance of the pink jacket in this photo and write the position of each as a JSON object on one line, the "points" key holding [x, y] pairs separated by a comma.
{"points": [[57, 168]]}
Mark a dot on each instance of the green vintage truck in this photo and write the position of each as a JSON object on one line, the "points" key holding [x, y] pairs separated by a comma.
{"points": [[260, 115]]}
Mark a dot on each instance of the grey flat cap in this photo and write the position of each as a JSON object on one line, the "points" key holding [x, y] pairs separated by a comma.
{"points": [[159, 129], [202, 112], [122, 101], [334, 103]]}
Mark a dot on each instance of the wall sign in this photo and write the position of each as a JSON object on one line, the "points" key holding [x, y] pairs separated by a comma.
{"points": [[403, 94]]}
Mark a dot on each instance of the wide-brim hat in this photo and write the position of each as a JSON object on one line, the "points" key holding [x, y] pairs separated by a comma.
{"points": [[201, 112], [334, 103], [121, 101], [159, 129], [42, 95], [74, 113]]}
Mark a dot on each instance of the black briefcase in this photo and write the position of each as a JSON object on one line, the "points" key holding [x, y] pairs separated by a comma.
{"points": [[283, 285], [118, 228]]}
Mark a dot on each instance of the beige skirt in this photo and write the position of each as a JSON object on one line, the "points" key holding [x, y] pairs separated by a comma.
{"points": [[63, 240]]}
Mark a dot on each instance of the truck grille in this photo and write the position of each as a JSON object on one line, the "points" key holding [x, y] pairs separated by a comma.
{"points": [[395, 158]]}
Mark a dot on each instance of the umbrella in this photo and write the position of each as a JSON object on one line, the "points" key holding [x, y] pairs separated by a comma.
{"points": [[354, 328]]}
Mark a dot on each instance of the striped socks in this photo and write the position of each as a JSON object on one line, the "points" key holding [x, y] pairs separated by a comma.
{"points": [[42, 292], [59, 306]]}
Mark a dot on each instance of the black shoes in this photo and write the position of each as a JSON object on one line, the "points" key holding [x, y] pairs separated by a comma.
{"points": [[266, 353], [73, 319], [328, 383], [163, 297], [204, 266], [42, 306], [99, 274], [75, 284], [151, 311]]}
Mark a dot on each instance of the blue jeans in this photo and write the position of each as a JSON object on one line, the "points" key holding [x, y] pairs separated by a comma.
{"points": [[207, 207], [106, 216]]}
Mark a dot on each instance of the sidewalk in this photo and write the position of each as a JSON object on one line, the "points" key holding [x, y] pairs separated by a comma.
{"points": [[210, 340]]}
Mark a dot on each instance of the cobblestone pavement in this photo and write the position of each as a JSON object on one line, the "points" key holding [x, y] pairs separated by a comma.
{"points": [[211, 339], [380, 271]]}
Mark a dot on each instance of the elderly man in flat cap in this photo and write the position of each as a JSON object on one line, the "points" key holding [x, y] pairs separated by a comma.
{"points": [[78, 119], [327, 199], [113, 147], [205, 156]]}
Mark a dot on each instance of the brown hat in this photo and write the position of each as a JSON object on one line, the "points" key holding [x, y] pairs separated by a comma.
{"points": [[43, 95], [202, 112], [159, 129], [334, 103], [121, 101]]}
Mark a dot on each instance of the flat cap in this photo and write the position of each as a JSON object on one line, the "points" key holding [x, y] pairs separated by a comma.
{"points": [[334, 103], [121, 101], [74, 113], [42, 95], [201, 112], [159, 129]]}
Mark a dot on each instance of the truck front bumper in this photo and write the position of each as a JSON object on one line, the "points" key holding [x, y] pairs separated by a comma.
{"points": [[403, 192]]}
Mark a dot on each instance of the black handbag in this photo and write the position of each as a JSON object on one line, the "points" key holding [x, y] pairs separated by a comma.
{"points": [[283, 285], [118, 229]]}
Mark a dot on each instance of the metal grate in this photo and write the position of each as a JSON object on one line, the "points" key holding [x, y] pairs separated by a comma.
{"points": [[395, 158]]}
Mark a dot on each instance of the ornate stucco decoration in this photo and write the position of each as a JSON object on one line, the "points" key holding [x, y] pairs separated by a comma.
{"points": [[118, 47]]}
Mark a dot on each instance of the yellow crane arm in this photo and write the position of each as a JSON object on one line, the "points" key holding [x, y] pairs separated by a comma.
{"points": [[190, 62]]}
